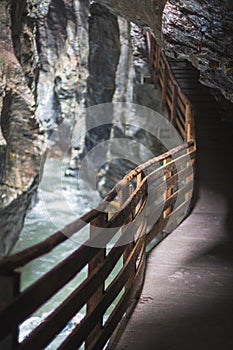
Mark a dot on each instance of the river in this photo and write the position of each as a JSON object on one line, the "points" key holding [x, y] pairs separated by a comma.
{"points": [[59, 202]]}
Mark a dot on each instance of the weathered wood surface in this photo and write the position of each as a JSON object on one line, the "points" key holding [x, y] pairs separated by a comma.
{"points": [[187, 298]]}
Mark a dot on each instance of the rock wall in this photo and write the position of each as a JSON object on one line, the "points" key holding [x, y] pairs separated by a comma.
{"points": [[202, 31], [146, 13], [21, 139], [104, 41], [62, 40], [133, 85], [198, 30], [43, 71]]}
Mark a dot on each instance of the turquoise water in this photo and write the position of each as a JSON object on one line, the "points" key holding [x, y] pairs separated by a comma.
{"points": [[59, 202]]}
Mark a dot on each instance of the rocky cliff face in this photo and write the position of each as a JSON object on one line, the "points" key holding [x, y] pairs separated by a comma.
{"points": [[62, 39], [146, 13], [202, 32], [43, 71], [21, 140], [104, 56], [198, 30]]}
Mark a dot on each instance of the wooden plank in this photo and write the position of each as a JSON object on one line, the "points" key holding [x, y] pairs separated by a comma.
{"points": [[172, 166], [79, 334], [183, 98], [173, 182], [9, 288], [168, 191], [181, 129], [9, 263], [120, 218], [169, 104], [189, 122], [153, 162], [154, 213], [93, 266], [56, 321], [27, 302], [181, 117], [172, 153], [130, 242], [181, 104], [121, 308], [161, 224]]}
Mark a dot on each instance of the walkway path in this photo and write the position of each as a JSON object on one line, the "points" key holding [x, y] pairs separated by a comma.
{"points": [[187, 298]]}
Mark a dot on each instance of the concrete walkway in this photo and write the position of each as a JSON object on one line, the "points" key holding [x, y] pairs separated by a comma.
{"points": [[187, 298]]}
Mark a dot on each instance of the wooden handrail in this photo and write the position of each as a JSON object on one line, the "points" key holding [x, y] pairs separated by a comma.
{"points": [[11, 262], [174, 100], [156, 203]]}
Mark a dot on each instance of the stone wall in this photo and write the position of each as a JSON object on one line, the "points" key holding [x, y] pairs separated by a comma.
{"points": [[21, 136]]}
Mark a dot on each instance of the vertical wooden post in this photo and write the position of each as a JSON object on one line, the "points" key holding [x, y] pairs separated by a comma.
{"points": [[150, 48], [174, 104], [188, 122], [191, 178], [9, 288], [125, 194], [154, 48], [194, 193], [95, 227], [190, 135], [164, 87], [168, 192], [158, 56], [188, 178], [141, 220], [152, 58], [139, 180]]}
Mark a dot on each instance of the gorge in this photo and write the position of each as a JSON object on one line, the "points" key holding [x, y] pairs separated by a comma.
{"points": [[59, 55]]}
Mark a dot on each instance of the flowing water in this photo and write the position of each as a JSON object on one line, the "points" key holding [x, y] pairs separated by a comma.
{"points": [[59, 202]]}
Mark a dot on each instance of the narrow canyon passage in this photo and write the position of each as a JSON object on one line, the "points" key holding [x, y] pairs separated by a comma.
{"points": [[83, 85], [186, 301]]}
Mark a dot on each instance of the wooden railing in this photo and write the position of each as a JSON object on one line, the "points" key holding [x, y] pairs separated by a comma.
{"points": [[154, 198], [174, 102]]}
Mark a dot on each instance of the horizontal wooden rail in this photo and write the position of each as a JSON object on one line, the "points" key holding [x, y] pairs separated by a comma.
{"points": [[153, 199], [174, 101], [10, 263]]}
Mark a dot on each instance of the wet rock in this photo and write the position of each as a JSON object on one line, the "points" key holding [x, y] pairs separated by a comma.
{"points": [[202, 32], [62, 39], [131, 144], [104, 56], [146, 14], [23, 30], [21, 136]]}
